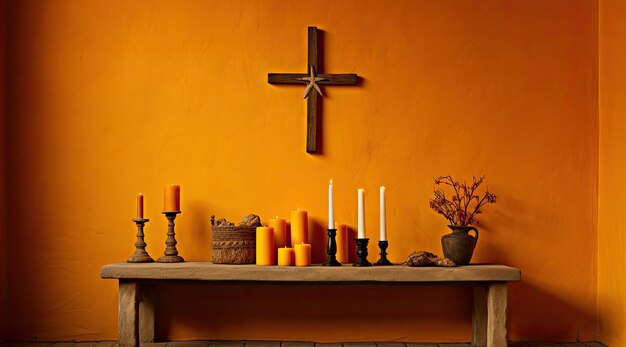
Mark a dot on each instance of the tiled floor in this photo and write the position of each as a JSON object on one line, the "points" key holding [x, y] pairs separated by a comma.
{"points": [[287, 344]]}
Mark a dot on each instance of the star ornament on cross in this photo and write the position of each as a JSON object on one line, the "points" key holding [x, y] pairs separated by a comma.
{"points": [[312, 79]]}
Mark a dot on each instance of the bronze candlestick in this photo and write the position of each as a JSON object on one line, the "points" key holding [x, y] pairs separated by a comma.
{"points": [[331, 250], [140, 255], [171, 253], [383, 254], [361, 252]]}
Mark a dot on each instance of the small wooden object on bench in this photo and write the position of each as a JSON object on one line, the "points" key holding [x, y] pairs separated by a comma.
{"points": [[137, 307]]}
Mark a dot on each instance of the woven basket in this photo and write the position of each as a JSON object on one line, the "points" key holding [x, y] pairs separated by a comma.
{"points": [[233, 245]]}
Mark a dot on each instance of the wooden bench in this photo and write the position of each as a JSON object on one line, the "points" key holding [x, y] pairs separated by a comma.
{"points": [[137, 304]]}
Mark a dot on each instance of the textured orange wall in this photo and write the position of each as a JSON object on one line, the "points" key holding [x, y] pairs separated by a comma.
{"points": [[612, 189], [110, 98]]}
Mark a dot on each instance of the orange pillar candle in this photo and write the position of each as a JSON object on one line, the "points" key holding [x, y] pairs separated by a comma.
{"points": [[303, 254], [280, 231], [342, 242], [139, 206], [171, 198], [264, 246], [286, 256], [299, 227]]}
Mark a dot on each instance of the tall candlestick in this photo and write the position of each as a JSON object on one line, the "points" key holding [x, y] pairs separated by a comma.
{"points": [[383, 217], [171, 252], [139, 206], [361, 225], [171, 199], [331, 210]]}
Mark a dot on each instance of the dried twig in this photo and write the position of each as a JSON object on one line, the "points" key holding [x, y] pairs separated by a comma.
{"points": [[457, 210]]}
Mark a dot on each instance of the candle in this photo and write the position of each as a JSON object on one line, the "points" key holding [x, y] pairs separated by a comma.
{"points": [[286, 256], [139, 206], [361, 224], [331, 211], [303, 254], [342, 243], [264, 246], [299, 227], [383, 217], [171, 200], [280, 231]]}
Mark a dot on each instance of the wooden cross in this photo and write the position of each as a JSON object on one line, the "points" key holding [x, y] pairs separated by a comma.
{"points": [[312, 79]]}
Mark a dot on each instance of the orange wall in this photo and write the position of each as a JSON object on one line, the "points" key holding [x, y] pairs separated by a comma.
{"points": [[612, 189], [111, 98]]}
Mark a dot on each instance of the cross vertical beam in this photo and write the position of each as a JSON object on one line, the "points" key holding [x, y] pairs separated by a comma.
{"points": [[312, 100]]}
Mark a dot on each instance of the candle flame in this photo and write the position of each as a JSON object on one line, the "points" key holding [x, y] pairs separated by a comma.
{"points": [[331, 181]]}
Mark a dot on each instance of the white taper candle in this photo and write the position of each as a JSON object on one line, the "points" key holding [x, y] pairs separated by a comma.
{"points": [[331, 210], [361, 224], [383, 217]]}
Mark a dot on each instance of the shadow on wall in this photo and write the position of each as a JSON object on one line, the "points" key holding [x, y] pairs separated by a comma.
{"points": [[534, 313]]}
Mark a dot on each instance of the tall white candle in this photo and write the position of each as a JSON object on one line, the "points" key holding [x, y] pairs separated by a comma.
{"points": [[361, 225], [383, 217], [331, 210]]}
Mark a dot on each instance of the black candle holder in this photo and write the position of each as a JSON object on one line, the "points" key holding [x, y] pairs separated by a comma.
{"points": [[171, 253], [361, 252], [383, 261], [140, 255], [331, 250]]}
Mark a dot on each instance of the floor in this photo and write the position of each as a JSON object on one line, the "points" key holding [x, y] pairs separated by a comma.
{"points": [[287, 344]]}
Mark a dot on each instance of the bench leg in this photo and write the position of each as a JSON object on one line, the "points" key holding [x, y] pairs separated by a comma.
{"points": [[479, 317], [127, 319], [147, 309], [496, 314]]}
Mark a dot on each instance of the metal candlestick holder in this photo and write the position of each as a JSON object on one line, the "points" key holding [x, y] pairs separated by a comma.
{"points": [[171, 253], [361, 252], [383, 254], [331, 250], [140, 255]]}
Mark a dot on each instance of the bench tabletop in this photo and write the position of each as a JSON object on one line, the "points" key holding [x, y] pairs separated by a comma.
{"points": [[205, 271]]}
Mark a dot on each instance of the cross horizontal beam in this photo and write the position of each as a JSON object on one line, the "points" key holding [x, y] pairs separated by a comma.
{"points": [[328, 79]]}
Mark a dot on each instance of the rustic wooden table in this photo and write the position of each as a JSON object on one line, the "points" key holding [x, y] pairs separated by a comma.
{"points": [[137, 304]]}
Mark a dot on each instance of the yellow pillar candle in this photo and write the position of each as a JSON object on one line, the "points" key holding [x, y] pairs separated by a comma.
{"points": [[342, 242], [171, 198], [264, 246], [303, 254], [280, 231], [299, 227], [286, 256]]}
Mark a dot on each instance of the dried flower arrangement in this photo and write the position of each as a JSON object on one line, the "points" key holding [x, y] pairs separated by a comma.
{"points": [[464, 204]]}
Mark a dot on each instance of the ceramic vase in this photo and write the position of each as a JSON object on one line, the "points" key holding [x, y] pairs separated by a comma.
{"points": [[459, 245]]}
